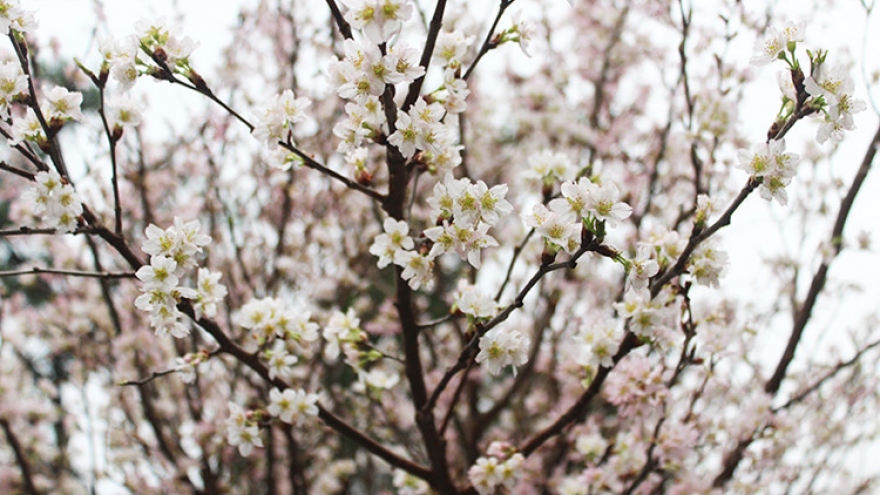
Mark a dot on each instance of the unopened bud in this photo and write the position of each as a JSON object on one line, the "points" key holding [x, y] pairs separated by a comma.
{"points": [[160, 54], [363, 177], [548, 256], [198, 81]]}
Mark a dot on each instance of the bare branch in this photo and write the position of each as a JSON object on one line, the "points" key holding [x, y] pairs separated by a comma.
{"points": [[314, 165], [69, 273], [20, 457]]}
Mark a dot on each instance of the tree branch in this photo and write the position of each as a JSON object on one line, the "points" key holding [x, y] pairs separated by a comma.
{"points": [[20, 457], [820, 277], [802, 317], [71, 273]]}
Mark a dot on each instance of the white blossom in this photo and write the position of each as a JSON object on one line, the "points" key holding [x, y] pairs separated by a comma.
{"points": [[503, 347], [13, 81], [292, 406], [396, 238], [122, 111], [470, 301], [241, 432], [768, 48], [63, 104]]}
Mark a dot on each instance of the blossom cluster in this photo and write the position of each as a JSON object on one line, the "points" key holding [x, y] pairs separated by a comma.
{"points": [[499, 469], [269, 317], [635, 382], [521, 33], [708, 263], [835, 87], [830, 86], [13, 17], [284, 333], [648, 317], [13, 82], [775, 168], [470, 301], [467, 211], [275, 122], [55, 199], [368, 68], [59, 106], [158, 40], [120, 59], [596, 345], [361, 77], [378, 19], [172, 254], [583, 204], [292, 406], [549, 167], [500, 348], [774, 44], [242, 430], [341, 332], [122, 112]]}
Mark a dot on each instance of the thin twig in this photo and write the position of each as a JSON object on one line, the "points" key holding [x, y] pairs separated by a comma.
{"points": [[314, 165], [831, 374], [489, 43], [17, 171], [341, 23], [415, 87], [43, 231], [516, 252], [70, 273], [591, 246], [144, 381]]}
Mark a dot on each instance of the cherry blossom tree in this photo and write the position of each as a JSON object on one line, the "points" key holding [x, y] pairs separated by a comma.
{"points": [[386, 253]]}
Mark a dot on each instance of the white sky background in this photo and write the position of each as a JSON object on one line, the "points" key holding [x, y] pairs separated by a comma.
{"points": [[753, 235]]}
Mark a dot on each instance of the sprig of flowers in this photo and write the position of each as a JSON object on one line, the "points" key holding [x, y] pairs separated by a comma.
{"points": [[55, 199], [242, 430], [776, 168], [172, 254], [277, 119], [829, 87], [501, 468], [292, 406], [500, 348]]}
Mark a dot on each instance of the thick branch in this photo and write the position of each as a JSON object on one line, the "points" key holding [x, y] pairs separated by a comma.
{"points": [[820, 277], [802, 317], [20, 458]]}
